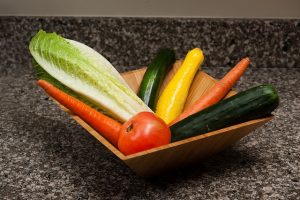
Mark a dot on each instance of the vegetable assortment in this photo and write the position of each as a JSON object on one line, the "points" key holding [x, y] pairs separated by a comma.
{"points": [[87, 84]]}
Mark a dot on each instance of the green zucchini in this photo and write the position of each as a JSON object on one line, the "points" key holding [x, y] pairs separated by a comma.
{"points": [[154, 76], [247, 105]]}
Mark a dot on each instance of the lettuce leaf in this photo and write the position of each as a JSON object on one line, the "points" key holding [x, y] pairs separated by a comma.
{"points": [[86, 73], [43, 75]]}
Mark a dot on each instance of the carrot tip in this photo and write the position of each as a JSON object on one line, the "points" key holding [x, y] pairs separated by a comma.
{"points": [[247, 59], [38, 82]]}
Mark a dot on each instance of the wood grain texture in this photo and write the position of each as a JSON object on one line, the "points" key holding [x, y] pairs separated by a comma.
{"points": [[181, 153]]}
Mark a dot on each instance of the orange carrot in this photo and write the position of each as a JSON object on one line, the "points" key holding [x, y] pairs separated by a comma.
{"points": [[217, 92], [104, 125]]}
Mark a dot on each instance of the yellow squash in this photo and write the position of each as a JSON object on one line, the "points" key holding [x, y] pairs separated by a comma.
{"points": [[172, 99]]}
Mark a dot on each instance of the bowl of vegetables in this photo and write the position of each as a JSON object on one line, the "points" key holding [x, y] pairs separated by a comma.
{"points": [[156, 118]]}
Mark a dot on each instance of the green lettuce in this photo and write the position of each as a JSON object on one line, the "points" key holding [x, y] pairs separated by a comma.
{"points": [[41, 74], [86, 73]]}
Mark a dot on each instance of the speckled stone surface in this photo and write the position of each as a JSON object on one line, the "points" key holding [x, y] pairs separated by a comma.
{"points": [[133, 41], [44, 154]]}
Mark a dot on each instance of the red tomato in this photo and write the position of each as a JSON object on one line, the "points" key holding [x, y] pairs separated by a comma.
{"points": [[143, 131]]}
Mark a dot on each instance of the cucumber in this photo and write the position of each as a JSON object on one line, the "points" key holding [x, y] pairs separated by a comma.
{"points": [[154, 76], [247, 105]]}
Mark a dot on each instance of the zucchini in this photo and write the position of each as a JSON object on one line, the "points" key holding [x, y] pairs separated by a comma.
{"points": [[244, 106], [154, 76]]}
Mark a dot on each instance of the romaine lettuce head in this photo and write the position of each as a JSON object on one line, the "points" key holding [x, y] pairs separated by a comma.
{"points": [[87, 73]]}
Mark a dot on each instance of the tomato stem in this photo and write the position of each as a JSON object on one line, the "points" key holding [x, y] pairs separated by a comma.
{"points": [[129, 128]]}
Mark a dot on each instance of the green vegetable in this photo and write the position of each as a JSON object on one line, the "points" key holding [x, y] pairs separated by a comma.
{"points": [[87, 73], [43, 75], [244, 106], [154, 76]]}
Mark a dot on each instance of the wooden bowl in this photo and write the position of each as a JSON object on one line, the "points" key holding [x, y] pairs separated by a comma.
{"points": [[181, 153]]}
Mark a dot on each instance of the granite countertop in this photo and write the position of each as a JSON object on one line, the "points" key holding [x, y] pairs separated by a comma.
{"points": [[44, 154]]}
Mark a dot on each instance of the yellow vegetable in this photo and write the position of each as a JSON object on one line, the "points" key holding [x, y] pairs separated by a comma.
{"points": [[172, 99]]}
